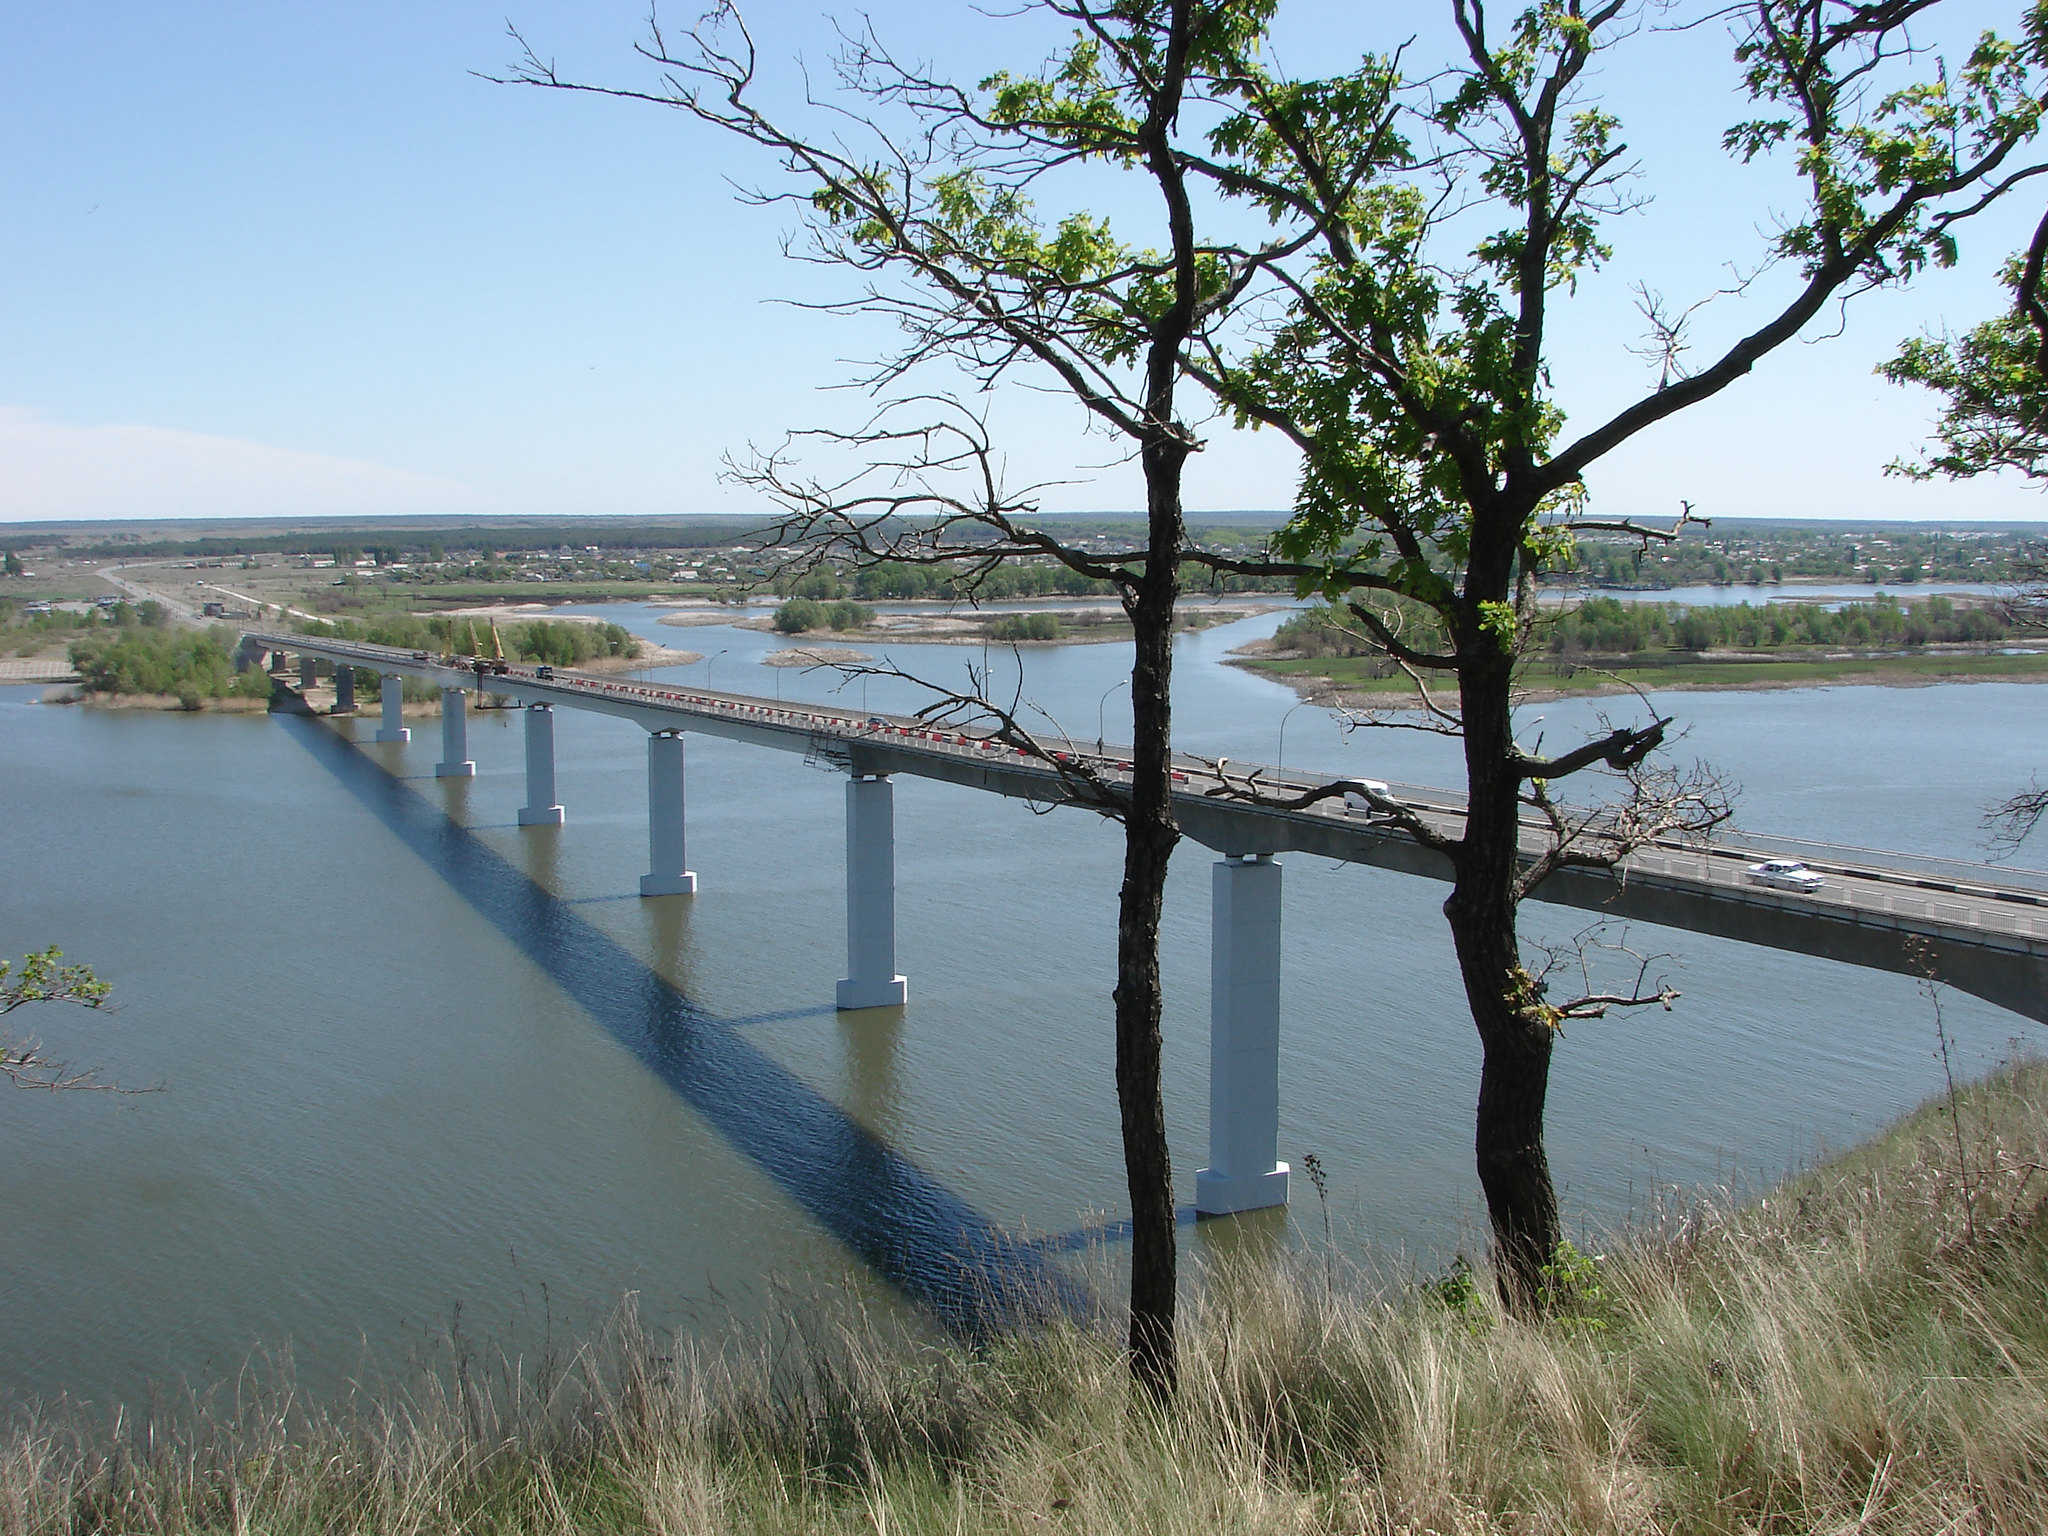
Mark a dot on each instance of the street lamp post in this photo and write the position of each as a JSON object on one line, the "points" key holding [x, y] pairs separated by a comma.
{"points": [[708, 660], [1280, 767], [1101, 704]]}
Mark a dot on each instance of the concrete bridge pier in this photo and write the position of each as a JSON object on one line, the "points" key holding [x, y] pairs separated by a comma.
{"points": [[391, 698], [665, 875], [344, 689], [309, 673], [455, 762], [1244, 1172], [871, 979], [540, 809]]}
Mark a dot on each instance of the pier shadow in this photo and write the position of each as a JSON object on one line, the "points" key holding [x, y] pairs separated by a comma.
{"points": [[919, 1236]]}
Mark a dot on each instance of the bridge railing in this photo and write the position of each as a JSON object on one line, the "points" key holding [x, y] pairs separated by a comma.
{"points": [[1737, 847]]}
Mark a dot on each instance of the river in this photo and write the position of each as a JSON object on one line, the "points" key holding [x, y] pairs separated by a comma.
{"points": [[390, 1111]]}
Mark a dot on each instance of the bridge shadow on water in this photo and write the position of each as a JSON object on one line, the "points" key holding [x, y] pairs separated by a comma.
{"points": [[922, 1238]]}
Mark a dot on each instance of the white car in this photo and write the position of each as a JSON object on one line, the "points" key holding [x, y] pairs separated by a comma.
{"points": [[1785, 874], [1358, 793]]}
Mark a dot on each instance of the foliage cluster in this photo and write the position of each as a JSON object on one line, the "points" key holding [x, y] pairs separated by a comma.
{"points": [[1026, 626], [1604, 625], [1608, 626], [193, 665], [557, 642], [804, 613]]}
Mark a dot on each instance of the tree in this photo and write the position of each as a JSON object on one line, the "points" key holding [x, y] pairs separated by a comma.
{"points": [[1411, 369], [43, 978], [1404, 358], [1994, 380], [934, 208]]}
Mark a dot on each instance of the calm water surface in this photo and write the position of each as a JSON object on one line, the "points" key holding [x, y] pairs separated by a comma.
{"points": [[412, 1070]]}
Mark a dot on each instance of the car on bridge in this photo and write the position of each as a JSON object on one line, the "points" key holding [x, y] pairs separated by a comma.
{"points": [[1785, 875], [1361, 794]]}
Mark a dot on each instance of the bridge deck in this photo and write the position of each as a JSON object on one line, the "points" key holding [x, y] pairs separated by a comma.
{"points": [[1986, 928]]}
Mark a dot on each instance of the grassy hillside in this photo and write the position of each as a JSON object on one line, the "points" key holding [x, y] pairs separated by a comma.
{"points": [[1865, 1350]]}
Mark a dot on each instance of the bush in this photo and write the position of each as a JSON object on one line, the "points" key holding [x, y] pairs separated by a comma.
{"points": [[798, 615], [179, 662], [849, 615], [1026, 626], [557, 642]]}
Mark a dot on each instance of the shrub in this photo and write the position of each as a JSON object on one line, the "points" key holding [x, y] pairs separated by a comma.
{"points": [[156, 661], [798, 615], [1026, 626]]}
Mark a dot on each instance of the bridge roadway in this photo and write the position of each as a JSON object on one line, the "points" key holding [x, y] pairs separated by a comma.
{"points": [[1983, 929]]}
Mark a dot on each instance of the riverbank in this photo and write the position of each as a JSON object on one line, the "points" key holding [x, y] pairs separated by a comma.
{"points": [[1359, 679], [1861, 1350]]}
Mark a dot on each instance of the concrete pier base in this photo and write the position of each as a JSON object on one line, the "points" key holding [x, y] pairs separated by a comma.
{"points": [[1244, 1172], [871, 979], [665, 875], [540, 809], [309, 673], [344, 690], [455, 763], [391, 700]]}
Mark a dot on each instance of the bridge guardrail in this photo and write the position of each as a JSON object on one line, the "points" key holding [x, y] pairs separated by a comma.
{"points": [[1909, 872]]}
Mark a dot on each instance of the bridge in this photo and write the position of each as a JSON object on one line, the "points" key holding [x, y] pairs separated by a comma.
{"points": [[1983, 930]]}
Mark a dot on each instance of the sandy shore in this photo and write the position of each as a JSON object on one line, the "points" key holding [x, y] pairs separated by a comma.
{"points": [[514, 611], [815, 656], [651, 655]]}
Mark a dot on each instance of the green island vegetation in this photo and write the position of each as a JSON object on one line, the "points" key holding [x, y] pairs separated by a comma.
{"points": [[189, 665], [136, 653], [556, 642], [1861, 1350], [799, 614], [1662, 644], [1011, 581], [1026, 626]]}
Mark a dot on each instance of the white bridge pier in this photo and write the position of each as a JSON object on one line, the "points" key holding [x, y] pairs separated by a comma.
{"points": [[455, 759], [1244, 1171], [665, 875], [541, 808], [871, 980], [391, 699]]}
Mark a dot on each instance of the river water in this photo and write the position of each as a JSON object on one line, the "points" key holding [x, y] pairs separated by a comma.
{"points": [[423, 1070]]}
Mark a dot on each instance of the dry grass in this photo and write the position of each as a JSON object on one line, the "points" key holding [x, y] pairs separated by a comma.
{"points": [[1842, 1357]]}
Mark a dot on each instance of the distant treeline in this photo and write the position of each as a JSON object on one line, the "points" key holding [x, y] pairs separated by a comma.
{"points": [[1004, 583], [397, 543], [557, 642], [1606, 626]]}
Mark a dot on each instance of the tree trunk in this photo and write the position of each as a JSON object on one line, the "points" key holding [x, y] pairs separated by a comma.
{"points": [[1515, 1032], [1149, 838]]}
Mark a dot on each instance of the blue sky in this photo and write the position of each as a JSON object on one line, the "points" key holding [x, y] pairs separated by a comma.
{"points": [[264, 259]]}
